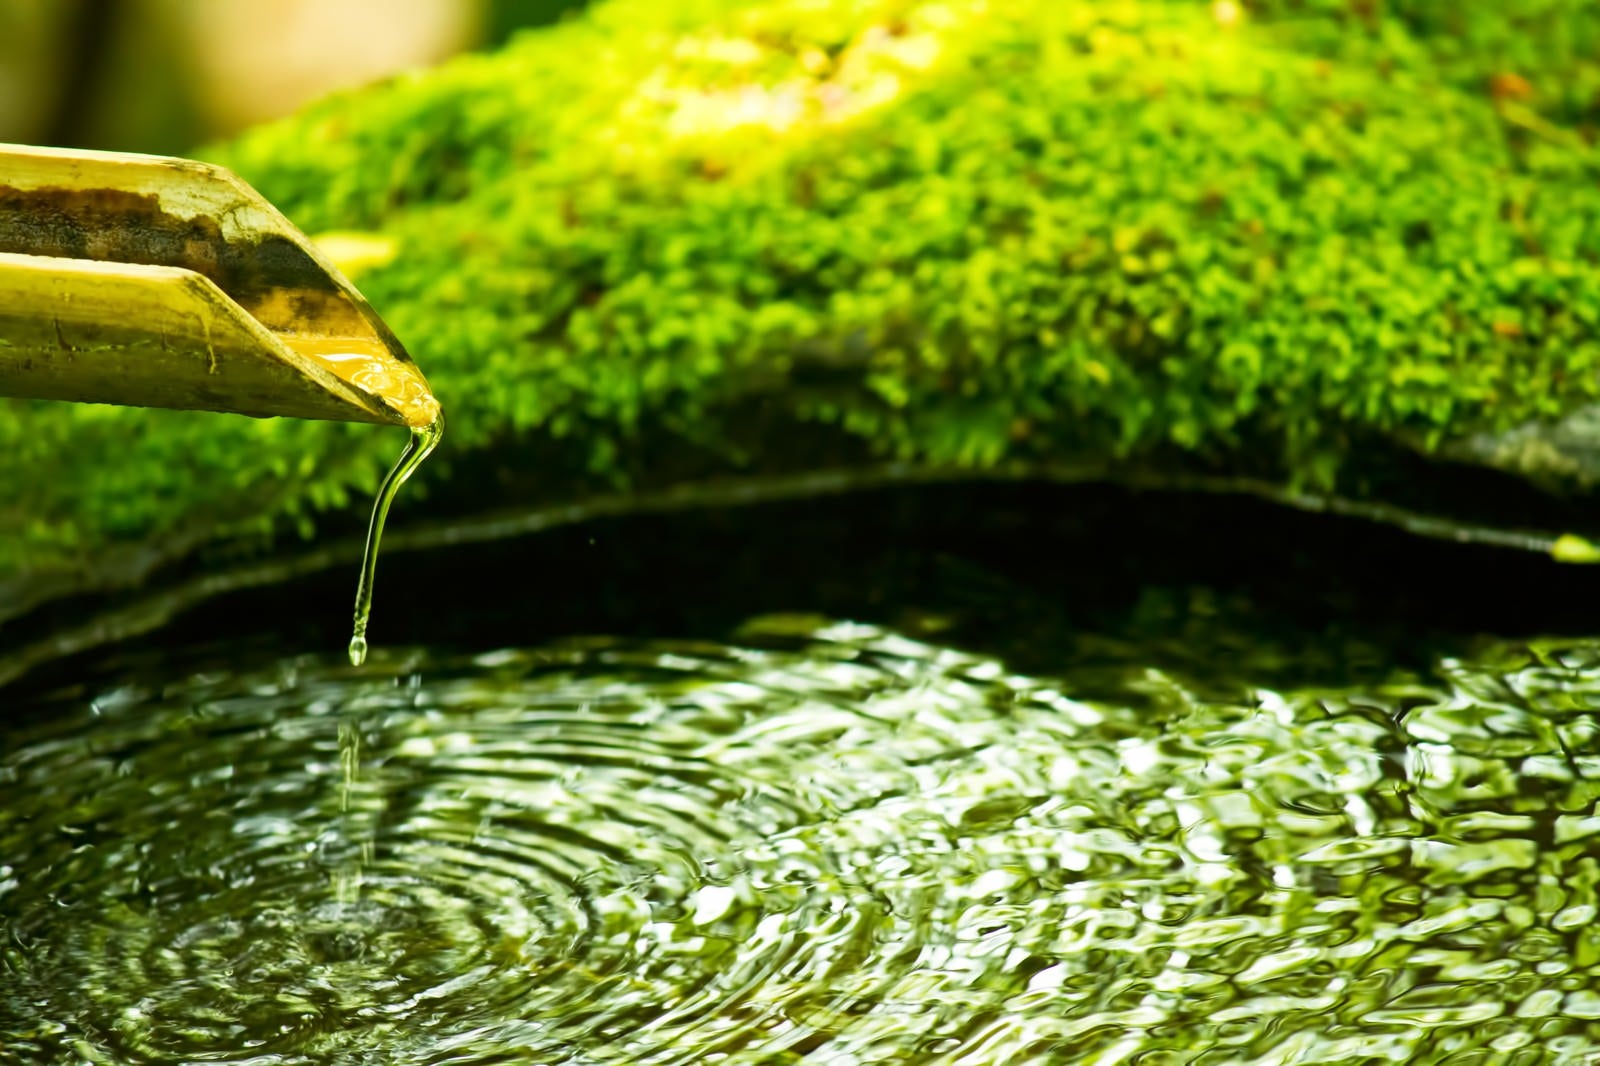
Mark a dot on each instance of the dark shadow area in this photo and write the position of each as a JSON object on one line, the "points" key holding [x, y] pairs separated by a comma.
{"points": [[1047, 578]]}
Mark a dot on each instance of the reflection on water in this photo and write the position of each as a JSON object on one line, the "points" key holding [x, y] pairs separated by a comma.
{"points": [[825, 842]]}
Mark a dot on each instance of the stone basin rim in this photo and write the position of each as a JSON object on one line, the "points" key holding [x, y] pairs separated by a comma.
{"points": [[149, 610]]}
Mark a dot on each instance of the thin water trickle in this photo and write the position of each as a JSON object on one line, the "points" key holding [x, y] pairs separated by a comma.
{"points": [[826, 843], [424, 439]]}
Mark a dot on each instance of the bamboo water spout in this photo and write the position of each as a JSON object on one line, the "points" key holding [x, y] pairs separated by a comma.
{"points": [[155, 282]]}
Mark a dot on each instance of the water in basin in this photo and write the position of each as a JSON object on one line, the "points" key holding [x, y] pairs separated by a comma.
{"points": [[1176, 829]]}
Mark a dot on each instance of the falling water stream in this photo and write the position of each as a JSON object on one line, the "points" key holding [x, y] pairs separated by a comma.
{"points": [[424, 439], [810, 840]]}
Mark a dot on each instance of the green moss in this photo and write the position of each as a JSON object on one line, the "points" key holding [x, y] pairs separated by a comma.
{"points": [[951, 232]]}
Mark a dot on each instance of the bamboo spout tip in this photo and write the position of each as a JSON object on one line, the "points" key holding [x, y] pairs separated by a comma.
{"points": [[162, 282], [370, 366]]}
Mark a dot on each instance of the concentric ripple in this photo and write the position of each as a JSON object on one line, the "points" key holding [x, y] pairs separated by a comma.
{"points": [[828, 844]]}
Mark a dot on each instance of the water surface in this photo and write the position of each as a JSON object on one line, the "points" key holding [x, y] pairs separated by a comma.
{"points": [[1072, 796], [822, 842]]}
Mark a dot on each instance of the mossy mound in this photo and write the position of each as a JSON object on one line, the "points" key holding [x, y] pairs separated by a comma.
{"points": [[669, 240]]}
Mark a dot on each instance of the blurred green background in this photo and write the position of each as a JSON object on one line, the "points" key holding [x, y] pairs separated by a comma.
{"points": [[164, 75]]}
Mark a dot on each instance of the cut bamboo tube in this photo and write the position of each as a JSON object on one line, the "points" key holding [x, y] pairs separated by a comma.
{"points": [[157, 282]]}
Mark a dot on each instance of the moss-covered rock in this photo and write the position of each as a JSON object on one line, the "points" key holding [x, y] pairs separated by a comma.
{"points": [[670, 240]]}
